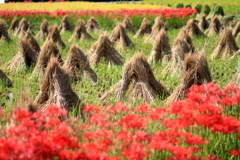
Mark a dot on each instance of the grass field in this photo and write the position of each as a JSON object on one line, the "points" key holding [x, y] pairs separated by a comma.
{"points": [[203, 126]]}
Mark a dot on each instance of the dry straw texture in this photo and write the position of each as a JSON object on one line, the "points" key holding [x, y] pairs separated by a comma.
{"points": [[138, 82], [5, 79], [236, 31], [203, 23], [193, 29], [161, 44], [182, 45], [215, 27], [92, 25], [61, 93], [158, 24], [127, 25], [144, 29], [14, 25], [22, 28], [44, 30], [196, 71], [55, 36], [4, 32], [103, 48], [80, 32], [226, 46], [78, 64], [65, 25]]}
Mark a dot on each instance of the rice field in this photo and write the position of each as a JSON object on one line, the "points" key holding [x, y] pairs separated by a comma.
{"points": [[204, 125]]}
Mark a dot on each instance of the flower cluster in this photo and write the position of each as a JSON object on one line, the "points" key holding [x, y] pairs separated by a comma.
{"points": [[181, 131], [168, 13]]}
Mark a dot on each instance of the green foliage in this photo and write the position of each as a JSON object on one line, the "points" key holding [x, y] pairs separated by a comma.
{"points": [[198, 8], [218, 10], [206, 9], [180, 5], [188, 6]]}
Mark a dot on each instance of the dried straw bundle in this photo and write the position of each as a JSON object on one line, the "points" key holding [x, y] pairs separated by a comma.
{"points": [[92, 25], [80, 32], [144, 86], [203, 24], [161, 44], [143, 81], [236, 76], [32, 44], [60, 87], [55, 36], [196, 71], [14, 25], [215, 27], [5, 79], [23, 59], [49, 49], [193, 29], [76, 60], [65, 25], [236, 31], [44, 92], [25, 102], [124, 41], [127, 25], [120, 88], [145, 28], [227, 45], [42, 34], [182, 45], [115, 35], [22, 28], [3, 31], [103, 48], [158, 24]]}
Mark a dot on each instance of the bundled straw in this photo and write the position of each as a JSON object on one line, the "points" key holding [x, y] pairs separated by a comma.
{"points": [[236, 31], [42, 34], [23, 59], [65, 25], [124, 41], [5, 79], [103, 48], [80, 32], [203, 24], [76, 61], [61, 93], [145, 28], [115, 35], [55, 36], [92, 25], [236, 76], [193, 29], [181, 46], [128, 26], [14, 25], [161, 44], [25, 102], [22, 28], [120, 88], [32, 43], [196, 71], [49, 49], [3, 31], [226, 46], [215, 27], [158, 24], [144, 87]]}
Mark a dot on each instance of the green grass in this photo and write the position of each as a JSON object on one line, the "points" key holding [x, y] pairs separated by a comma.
{"points": [[230, 7], [222, 70]]}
